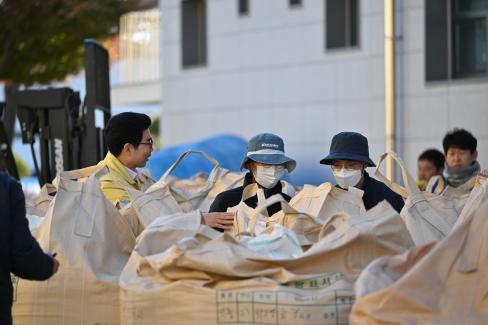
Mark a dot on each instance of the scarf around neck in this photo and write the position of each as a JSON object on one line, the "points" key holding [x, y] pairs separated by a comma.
{"points": [[458, 176]]}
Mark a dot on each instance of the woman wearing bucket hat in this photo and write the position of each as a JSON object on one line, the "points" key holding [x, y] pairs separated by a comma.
{"points": [[266, 162], [349, 157]]}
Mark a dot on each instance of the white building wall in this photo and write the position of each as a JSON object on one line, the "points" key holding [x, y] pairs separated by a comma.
{"points": [[270, 72]]}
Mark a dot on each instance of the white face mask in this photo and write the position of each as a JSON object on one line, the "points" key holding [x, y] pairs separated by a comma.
{"points": [[348, 177], [268, 176]]}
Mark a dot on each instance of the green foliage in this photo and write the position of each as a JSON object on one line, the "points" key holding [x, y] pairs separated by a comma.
{"points": [[22, 166], [154, 129], [42, 40]]}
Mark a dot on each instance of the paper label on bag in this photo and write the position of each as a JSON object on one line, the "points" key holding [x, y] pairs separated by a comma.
{"points": [[281, 307]]}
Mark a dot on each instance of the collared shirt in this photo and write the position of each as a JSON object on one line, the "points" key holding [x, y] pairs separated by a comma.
{"points": [[132, 173]]}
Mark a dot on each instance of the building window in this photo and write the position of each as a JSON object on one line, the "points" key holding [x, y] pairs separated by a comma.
{"points": [[294, 3], [243, 7], [342, 23], [455, 39], [194, 33], [139, 46]]}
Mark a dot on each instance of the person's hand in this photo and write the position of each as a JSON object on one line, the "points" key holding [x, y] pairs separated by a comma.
{"points": [[55, 265], [223, 220]]}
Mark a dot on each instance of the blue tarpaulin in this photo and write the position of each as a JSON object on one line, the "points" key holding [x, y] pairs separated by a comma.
{"points": [[228, 150]]}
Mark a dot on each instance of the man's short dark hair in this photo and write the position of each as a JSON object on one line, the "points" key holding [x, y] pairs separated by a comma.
{"points": [[434, 156], [459, 138], [123, 128]]}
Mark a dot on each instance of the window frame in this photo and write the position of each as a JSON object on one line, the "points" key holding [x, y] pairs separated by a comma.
{"points": [[295, 5], [243, 13], [347, 28], [201, 37], [466, 16], [451, 18]]}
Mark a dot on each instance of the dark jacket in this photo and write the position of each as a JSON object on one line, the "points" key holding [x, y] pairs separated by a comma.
{"points": [[232, 197], [20, 253], [376, 191]]}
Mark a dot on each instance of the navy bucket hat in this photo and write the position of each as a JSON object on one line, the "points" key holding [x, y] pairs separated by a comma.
{"points": [[267, 148], [348, 146]]}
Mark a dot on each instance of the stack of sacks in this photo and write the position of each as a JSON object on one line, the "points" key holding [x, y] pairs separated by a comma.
{"points": [[254, 221], [170, 195], [325, 200], [182, 272], [476, 198], [277, 242], [428, 217], [304, 214], [460, 195], [441, 282], [36, 208], [93, 244]]}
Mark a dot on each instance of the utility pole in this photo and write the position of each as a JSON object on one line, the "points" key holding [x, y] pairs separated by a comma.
{"points": [[390, 130]]}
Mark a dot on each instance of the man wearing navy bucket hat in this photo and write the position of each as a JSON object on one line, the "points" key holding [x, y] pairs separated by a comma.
{"points": [[266, 162], [349, 157]]}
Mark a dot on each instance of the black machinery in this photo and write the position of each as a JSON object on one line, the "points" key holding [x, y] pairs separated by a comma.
{"points": [[67, 129], [7, 162]]}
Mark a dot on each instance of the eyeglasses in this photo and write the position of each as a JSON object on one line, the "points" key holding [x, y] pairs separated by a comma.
{"points": [[149, 142]]}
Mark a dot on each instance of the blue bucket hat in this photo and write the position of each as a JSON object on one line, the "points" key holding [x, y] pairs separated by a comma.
{"points": [[348, 146], [267, 148]]}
